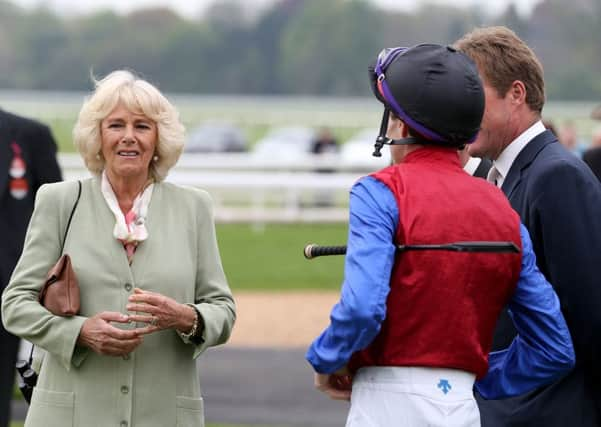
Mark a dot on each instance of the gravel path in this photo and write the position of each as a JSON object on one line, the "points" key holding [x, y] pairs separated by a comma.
{"points": [[280, 319]]}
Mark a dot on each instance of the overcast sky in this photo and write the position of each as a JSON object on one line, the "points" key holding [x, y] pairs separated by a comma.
{"points": [[191, 8]]}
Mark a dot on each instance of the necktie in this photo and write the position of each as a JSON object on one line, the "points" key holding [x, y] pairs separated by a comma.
{"points": [[493, 175]]}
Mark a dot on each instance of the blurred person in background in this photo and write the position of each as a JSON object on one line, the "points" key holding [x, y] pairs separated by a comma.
{"points": [[548, 124], [592, 156], [411, 335], [153, 292], [568, 137], [324, 144], [559, 200], [27, 161]]}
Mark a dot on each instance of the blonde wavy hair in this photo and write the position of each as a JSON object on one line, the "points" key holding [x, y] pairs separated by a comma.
{"points": [[139, 97]]}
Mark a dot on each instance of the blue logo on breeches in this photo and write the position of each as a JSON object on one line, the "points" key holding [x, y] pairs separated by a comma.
{"points": [[444, 385]]}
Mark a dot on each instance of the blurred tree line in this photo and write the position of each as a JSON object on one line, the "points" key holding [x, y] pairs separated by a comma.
{"points": [[294, 47]]}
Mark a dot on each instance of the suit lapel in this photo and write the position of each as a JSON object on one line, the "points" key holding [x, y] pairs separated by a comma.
{"points": [[5, 151], [524, 159]]}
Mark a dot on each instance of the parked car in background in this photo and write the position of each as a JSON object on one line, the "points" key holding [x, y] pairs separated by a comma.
{"points": [[357, 151], [285, 144], [216, 138]]}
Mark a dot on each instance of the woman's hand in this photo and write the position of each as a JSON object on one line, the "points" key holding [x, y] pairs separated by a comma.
{"points": [[103, 338], [159, 312]]}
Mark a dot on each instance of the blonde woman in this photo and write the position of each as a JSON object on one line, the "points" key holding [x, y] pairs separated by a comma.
{"points": [[153, 291]]}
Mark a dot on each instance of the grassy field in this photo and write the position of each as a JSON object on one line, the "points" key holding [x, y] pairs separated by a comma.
{"points": [[271, 257]]}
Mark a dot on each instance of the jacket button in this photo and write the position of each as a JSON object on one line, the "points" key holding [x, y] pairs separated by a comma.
{"points": [[123, 424], [126, 356], [124, 389], [128, 287]]}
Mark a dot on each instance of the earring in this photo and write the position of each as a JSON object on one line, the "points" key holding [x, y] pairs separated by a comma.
{"points": [[155, 158], [98, 156]]}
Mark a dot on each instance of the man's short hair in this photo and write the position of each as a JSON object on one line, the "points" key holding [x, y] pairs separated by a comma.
{"points": [[502, 58]]}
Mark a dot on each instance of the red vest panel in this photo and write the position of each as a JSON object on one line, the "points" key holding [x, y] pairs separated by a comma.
{"points": [[443, 306]]}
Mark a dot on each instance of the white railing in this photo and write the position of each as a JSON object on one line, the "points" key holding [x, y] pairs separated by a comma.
{"points": [[248, 189]]}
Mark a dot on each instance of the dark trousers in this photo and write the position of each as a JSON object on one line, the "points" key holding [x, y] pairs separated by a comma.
{"points": [[9, 348], [571, 402]]}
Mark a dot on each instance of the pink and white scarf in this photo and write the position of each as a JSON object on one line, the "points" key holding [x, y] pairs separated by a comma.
{"points": [[130, 228]]}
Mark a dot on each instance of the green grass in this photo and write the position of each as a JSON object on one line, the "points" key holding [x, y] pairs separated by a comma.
{"points": [[271, 257], [62, 131]]}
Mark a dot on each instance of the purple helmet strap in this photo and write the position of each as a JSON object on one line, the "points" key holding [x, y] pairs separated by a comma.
{"points": [[382, 139], [386, 57], [427, 133]]}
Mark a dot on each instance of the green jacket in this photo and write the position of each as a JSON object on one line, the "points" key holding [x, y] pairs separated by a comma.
{"points": [[157, 384]]}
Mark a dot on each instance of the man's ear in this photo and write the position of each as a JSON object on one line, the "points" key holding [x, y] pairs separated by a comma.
{"points": [[517, 92]]}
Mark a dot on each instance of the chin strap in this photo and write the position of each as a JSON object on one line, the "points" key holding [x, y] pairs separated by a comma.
{"points": [[382, 139]]}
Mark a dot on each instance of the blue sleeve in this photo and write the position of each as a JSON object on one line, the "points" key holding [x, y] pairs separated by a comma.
{"points": [[542, 352], [356, 319]]}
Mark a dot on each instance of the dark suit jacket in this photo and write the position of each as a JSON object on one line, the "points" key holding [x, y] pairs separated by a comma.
{"points": [[559, 200], [39, 153], [592, 157]]}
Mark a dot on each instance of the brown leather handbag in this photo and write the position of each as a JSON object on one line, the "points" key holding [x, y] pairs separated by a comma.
{"points": [[60, 293]]}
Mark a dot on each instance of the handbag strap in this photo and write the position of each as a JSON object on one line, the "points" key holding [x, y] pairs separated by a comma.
{"points": [[71, 216], [63, 244]]}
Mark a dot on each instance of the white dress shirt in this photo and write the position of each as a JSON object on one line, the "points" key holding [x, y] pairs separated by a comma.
{"points": [[500, 167], [472, 164]]}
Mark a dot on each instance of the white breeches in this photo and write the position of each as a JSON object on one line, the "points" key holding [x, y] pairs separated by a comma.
{"points": [[413, 397]]}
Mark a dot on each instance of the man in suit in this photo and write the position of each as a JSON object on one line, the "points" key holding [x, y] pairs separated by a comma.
{"points": [[559, 200], [592, 156], [27, 160]]}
